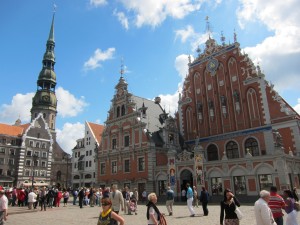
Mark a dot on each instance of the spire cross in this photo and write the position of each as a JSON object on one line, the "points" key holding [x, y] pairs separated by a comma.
{"points": [[122, 67], [208, 28], [54, 8]]}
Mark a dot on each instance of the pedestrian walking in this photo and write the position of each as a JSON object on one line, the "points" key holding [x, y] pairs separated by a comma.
{"points": [[3, 206], [228, 206], [108, 216], [66, 197], [276, 204], [81, 195], [117, 200], [31, 199], [204, 200], [144, 196], [291, 218], [75, 194], [189, 196], [262, 211], [43, 198], [170, 200]]}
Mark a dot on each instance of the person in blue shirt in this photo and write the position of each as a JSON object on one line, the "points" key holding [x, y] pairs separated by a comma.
{"points": [[190, 198]]}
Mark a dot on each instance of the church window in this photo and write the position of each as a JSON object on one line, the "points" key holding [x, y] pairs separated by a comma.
{"points": [[232, 150], [141, 164], [114, 167], [123, 110], [126, 141], [251, 145], [118, 111], [212, 153], [114, 143], [126, 166]]}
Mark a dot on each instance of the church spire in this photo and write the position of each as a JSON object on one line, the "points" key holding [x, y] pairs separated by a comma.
{"points": [[45, 101]]}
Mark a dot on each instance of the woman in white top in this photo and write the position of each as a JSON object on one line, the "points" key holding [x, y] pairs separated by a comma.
{"points": [[153, 214], [31, 199]]}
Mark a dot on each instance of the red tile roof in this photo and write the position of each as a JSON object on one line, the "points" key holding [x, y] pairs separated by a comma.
{"points": [[11, 130], [97, 130]]}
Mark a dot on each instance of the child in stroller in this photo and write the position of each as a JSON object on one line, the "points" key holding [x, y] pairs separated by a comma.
{"points": [[132, 206]]}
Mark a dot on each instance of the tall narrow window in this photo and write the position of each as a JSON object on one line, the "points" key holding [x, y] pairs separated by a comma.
{"points": [[114, 143], [114, 167], [126, 141]]}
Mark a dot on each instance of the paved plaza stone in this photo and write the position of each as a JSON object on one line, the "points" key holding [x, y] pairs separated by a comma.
{"points": [[89, 215]]}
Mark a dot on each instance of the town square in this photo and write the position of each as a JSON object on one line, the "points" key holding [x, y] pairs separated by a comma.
{"points": [[136, 104]]}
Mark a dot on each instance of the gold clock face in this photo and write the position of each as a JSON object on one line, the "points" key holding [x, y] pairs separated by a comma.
{"points": [[212, 65]]}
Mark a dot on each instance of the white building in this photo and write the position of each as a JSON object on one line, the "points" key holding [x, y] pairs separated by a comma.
{"points": [[83, 156]]}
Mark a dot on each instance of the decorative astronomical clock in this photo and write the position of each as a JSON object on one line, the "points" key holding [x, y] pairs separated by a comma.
{"points": [[212, 66]]}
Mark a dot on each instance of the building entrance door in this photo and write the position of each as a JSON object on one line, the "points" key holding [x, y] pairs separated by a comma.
{"points": [[186, 176]]}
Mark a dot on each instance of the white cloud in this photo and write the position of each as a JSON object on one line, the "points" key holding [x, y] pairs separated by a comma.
{"points": [[19, 107], [153, 12], [297, 107], [278, 54], [69, 134], [170, 101], [189, 34], [122, 18], [184, 34], [98, 3], [99, 56], [68, 105]]}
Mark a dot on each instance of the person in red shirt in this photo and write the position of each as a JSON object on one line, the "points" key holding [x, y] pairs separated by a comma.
{"points": [[276, 205]]}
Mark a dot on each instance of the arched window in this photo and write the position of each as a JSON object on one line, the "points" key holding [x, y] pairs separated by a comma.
{"points": [[252, 145], [212, 153], [88, 176], [232, 150], [58, 175]]}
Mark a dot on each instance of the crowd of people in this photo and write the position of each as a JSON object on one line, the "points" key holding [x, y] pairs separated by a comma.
{"points": [[268, 209]]}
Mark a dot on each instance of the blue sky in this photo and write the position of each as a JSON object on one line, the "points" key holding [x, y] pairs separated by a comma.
{"points": [[154, 37]]}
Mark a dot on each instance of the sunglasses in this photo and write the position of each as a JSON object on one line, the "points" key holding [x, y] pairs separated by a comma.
{"points": [[105, 204]]}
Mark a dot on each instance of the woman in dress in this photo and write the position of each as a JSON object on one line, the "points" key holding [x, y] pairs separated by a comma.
{"points": [[107, 216], [291, 218], [228, 205]]}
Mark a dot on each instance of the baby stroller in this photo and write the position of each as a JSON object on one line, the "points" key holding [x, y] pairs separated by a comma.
{"points": [[132, 206]]}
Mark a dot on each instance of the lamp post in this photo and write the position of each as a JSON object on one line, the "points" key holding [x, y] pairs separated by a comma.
{"points": [[35, 156], [67, 157]]}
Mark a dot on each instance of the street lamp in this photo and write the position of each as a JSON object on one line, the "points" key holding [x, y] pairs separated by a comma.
{"points": [[35, 156], [67, 157]]}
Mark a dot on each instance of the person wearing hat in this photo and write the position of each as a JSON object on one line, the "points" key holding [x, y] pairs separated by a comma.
{"points": [[3, 207], [107, 216]]}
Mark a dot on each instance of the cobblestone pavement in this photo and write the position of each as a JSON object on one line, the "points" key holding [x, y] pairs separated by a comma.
{"points": [[88, 216]]}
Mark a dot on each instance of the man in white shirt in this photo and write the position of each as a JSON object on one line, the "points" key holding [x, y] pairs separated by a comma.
{"points": [[31, 199], [116, 198], [262, 211], [3, 207]]}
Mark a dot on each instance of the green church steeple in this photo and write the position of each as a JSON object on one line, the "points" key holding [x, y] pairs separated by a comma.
{"points": [[45, 101]]}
